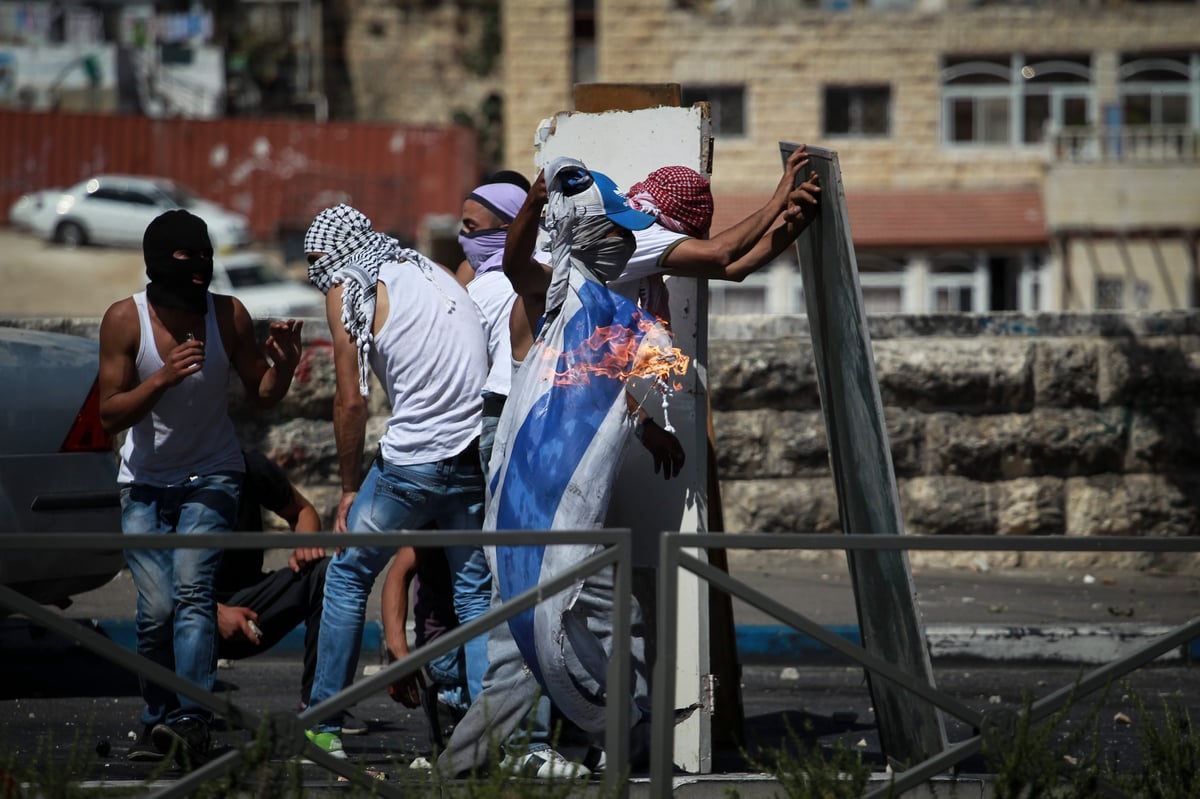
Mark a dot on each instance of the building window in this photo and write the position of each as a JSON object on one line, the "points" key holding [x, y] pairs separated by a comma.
{"points": [[583, 42], [1159, 89], [1014, 99], [958, 284], [882, 292], [727, 104], [857, 110]]}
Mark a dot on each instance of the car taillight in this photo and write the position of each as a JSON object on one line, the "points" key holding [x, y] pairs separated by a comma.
{"points": [[88, 434]]}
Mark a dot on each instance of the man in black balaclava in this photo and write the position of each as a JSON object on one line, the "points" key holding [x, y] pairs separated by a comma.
{"points": [[165, 359], [176, 282]]}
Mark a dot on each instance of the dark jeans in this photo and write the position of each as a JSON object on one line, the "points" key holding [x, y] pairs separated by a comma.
{"points": [[282, 599]]}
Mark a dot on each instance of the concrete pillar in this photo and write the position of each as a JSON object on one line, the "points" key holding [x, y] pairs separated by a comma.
{"points": [[916, 284], [981, 292]]}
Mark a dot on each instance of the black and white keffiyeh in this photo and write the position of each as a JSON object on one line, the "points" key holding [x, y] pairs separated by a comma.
{"points": [[353, 253]]}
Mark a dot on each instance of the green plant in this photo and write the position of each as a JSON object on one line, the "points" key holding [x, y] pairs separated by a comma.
{"points": [[1170, 766], [1031, 760], [48, 777]]}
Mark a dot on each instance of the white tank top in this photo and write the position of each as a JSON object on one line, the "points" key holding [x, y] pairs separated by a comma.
{"points": [[188, 432], [432, 360]]}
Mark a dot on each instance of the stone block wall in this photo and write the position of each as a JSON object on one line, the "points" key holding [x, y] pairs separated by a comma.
{"points": [[1004, 424], [1079, 425]]}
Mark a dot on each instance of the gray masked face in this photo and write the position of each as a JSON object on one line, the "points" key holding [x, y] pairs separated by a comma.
{"points": [[605, 258]]}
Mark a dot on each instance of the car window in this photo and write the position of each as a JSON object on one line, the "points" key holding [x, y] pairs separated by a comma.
{"points": [[245, 275], [178, 194], [104, 193], [138, 197]]}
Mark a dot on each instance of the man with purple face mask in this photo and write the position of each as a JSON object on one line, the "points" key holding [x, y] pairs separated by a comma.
{"points": [[166, 357], [486, 214]]}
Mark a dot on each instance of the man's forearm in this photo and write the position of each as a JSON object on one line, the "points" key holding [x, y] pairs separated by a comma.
{"points": [[769, 247], [394, 604], [273, 387], [526, 275], [349, 433], [125, 409]]}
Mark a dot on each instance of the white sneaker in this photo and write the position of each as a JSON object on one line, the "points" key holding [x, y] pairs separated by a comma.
{"points": [[420, 762], [544, 764]]}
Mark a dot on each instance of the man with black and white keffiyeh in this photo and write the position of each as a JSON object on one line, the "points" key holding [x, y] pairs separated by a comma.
{"points": [[395, 312]]}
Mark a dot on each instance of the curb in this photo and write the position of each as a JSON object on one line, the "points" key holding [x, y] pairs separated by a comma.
{"points": [[1072, 643], [780, 644]]}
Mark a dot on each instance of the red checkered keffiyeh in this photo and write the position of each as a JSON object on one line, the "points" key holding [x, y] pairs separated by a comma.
{"points": [[679, 197]]}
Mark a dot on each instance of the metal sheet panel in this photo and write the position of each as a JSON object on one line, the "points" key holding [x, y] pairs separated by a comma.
{"points": [[279, 173], [861, 460]]}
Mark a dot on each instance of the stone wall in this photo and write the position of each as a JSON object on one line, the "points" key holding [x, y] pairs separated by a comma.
{"points": [[1005, 424], [1079, 425]]}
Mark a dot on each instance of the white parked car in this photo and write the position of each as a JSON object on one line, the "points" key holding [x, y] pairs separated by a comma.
{"points": [[115, 210], [263, 288], [58, 471]]}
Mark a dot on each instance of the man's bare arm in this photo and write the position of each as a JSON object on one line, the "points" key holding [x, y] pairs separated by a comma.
{"points": [[394, 609], [125, 400], [349, 407], [708, 258], [528, 277], [266, 383], [781, 235], [394, 601], [302, 517]]}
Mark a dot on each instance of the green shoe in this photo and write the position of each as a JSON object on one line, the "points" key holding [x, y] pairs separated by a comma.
{"points": [[329, 742]]}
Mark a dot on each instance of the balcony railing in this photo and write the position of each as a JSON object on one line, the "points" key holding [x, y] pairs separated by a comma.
{"points": [[1139, 144]]}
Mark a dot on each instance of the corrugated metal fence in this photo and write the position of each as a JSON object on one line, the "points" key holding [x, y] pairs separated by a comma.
{"points": [[279, 173]]}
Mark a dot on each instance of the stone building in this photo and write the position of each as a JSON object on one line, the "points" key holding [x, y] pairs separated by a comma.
{"points": [[996, 156], [1042, 155]]}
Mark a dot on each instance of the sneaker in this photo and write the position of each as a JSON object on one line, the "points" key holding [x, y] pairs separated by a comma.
{"points": [[544, 764], [143, 750], [329, 742], [596, 759], [352, 725], [187, 739]]}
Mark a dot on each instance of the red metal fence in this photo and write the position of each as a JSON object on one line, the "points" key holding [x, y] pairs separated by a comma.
{"points": [[279, 173]]}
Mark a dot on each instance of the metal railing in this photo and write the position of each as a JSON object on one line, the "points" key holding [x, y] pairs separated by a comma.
{"points": [[673, 558], [284, 731], [1134, 144]]}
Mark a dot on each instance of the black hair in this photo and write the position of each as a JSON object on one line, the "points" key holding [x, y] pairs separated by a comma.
{"points": [[509, 176]]}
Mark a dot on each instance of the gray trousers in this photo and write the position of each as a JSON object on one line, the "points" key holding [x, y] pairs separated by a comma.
{"points": [[511, 694]]}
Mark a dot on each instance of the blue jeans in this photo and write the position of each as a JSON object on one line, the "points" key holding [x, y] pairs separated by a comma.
{"points": [[402, 498], [176, 606]]}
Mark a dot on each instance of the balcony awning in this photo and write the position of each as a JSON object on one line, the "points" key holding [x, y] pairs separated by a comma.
{"points": [[926, 219]]}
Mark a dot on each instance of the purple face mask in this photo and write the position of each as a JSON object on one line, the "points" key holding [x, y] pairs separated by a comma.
{"points": [[480, 245]]}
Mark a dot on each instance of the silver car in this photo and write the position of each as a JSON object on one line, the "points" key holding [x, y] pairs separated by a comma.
{"points": [[262, 287], [58, 471], [115, 210]]}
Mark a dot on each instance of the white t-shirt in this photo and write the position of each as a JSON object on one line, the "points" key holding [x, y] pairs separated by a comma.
{"points": [[431, 357], [652, 244], [493, 296]]}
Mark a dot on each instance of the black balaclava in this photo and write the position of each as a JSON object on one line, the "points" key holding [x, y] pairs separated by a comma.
{"points": [[171, 283]]}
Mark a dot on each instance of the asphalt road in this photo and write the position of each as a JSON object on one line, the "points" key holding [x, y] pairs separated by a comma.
{"points": [[63, 711]]}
